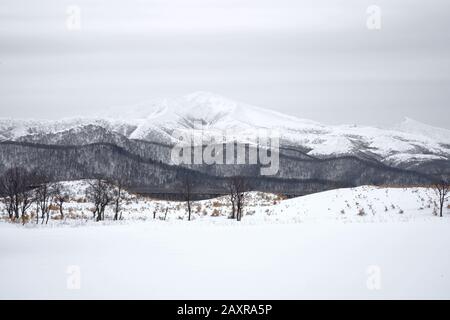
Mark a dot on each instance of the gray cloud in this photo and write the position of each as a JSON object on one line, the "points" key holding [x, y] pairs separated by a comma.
{"points": [[312, 59]]}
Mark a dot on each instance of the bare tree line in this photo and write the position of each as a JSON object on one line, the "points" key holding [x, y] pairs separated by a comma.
{"points": [[103, 193], [237, 187], [20, 189]]}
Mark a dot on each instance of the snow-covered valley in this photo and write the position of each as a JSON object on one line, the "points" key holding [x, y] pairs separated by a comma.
{"points": [[365, 242]]}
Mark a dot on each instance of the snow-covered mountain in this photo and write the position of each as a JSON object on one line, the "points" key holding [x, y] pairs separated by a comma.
{"points": [[409, 125], [210, 115], [213, 111]]}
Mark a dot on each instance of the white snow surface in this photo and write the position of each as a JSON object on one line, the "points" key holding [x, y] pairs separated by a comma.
{"points": [[324, 245], [409, 125]]}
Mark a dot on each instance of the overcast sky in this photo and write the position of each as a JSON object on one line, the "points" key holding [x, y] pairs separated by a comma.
{"points": [[314, 59]]}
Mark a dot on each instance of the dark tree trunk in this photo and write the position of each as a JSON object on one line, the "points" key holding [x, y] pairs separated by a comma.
{"points": [[189, 210], [16, 214], [116, 211], [61, 210], [187, 186], [37, 213]]}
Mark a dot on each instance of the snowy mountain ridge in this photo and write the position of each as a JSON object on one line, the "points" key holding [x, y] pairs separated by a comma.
{"points": [[412, 126], [209, 115]]}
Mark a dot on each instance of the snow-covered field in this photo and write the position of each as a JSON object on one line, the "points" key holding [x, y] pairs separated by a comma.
{"points": [[364, 242]]}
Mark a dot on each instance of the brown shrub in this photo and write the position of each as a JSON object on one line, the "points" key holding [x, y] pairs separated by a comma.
{"points": [[53, 207], [281, 197], [25, 219]]}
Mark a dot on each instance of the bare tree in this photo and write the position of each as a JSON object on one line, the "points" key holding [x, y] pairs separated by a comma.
{"points": [[442, 188], [237, 188], [117, 197], [240, 200], [99, 192], [8, 191], [187, 191], [27, 199], [44, 198], [60, 196], [37, 211], [233, 197], [10, 186], [15, 188]]}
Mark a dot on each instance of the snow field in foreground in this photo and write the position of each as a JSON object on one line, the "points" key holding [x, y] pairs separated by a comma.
{"points": [[364, 242], [200, 261]]}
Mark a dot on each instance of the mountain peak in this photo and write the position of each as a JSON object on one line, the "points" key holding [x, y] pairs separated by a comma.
{"points": [[207, 105], [205, 96], [212, 110]]}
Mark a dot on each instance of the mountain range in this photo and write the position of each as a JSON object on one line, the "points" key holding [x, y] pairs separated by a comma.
{"points": [[313, 156]]}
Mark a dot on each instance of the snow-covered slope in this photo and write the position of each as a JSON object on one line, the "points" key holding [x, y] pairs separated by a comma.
{"points": [[362, 204], [210, 110], [409, 125], [210, 115]]}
